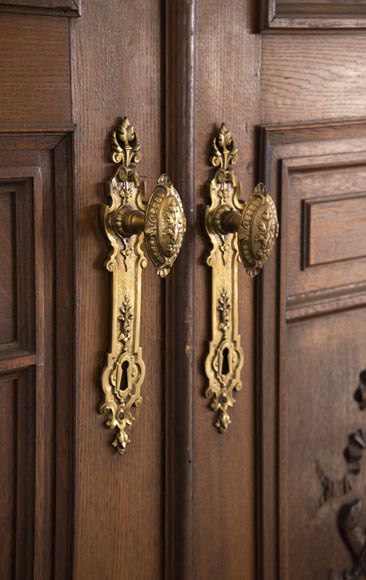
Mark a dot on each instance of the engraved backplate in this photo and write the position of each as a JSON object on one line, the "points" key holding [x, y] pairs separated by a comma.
{"points": [[225, 358]]}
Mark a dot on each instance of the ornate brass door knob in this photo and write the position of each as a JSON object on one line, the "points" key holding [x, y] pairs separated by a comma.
{"points": [[127, 221], [237, 230], [257, 227]]}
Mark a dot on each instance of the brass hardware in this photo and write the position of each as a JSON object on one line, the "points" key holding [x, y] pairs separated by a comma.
{"points": [[238, 231], [127, 221]]}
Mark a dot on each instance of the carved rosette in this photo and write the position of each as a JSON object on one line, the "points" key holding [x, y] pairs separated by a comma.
{"points": [[165, 226], [124, 370], [225, 358], [258, 231]]}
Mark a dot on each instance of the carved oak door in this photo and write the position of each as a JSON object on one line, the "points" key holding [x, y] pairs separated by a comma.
{"points": [[280, 494]]}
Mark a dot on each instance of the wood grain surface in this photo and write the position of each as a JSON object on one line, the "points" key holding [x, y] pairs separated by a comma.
{"points": [[116, 72], [313, 77], [46, 7], [180, 328], [311, 338], [336, 230], [35, 87], [227, 90], [184, 503], [316, 14], [39, 425]]}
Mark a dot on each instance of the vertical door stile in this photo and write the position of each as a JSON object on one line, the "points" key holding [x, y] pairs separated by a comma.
{"points": [[180, 290]]}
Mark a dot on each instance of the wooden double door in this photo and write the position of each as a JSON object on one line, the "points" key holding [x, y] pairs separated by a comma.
{"points": [[280, 495]]}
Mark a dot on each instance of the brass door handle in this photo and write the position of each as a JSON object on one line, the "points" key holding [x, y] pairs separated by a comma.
{"points": [[127, 221], [237, 230]]}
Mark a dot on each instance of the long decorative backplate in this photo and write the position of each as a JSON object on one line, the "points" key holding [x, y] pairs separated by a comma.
{"points": [[126, 221], [238, 231], [225, 359]]}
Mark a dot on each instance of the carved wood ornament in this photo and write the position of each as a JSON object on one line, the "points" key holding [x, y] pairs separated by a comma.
{"points": [[349, 515]]}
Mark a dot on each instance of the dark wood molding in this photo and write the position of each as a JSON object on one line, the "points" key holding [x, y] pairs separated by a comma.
{"points": [[312, 15], [69, 8], [47, 333], [180, 289], [65, 343], [45, 129], [267, 320], [328, 147]]}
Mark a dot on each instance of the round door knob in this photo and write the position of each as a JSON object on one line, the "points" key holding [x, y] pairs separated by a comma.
{"points": [[258, 230], [165, 225], [257, 227]]}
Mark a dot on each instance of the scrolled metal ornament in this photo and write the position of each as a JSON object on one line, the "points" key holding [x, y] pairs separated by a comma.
{"points": [[126, 221], [237, 231]]}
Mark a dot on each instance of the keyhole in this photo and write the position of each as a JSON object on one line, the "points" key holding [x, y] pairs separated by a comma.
{"points": [[225, 362], [124, 379]]}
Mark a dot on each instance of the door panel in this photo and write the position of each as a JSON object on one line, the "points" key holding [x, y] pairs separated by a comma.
{"points": [[318, 414], [17, 473], [35, 76], [57, 7], [318, 340], [312, 77], [35, 391], [285, 14]]}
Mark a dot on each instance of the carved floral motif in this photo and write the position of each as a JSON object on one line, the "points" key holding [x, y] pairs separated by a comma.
{"points": [[224, 150], [349, 515], [125, 146], [259, 230], [224, 309], [126, 317], [165, 225], [360, 394]]}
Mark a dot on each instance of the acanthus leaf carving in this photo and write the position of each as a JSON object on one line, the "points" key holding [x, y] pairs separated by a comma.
{"points": [[350, 514]]}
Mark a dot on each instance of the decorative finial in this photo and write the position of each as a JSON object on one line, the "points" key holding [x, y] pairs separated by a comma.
{"points": [[224, 150], [125, 145]]}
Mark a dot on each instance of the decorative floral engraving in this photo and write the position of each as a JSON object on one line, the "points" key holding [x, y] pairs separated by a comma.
{"points": [[126, 317], [174, 227], [224, 150], [259, 230], [224, 308], [125, 146], [165, 226]]}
